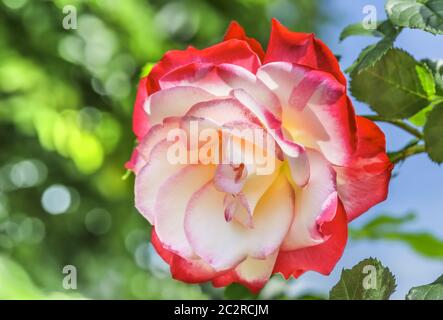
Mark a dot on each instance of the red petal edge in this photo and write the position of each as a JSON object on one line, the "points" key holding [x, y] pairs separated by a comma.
{"points": [[236, 31], [321, 258], [301, 48], [140, 120]]}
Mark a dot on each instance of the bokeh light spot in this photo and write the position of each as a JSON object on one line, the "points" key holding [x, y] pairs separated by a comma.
{"points": [[56, 199], [98, 221]]}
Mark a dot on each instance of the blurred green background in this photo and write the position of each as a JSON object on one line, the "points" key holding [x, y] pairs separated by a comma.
{"points": [[66, 99]]}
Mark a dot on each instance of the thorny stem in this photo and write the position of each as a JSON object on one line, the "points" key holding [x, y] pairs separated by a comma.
{"points": [[406, 152]]}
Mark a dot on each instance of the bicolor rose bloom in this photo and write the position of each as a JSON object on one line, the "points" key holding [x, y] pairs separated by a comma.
{"points": [[225, 222]]}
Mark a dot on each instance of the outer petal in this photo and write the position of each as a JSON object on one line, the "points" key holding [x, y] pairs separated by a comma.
{"points": [[170, 206], [140, 120], [303, 49], [230, 243], [165, 254], [190, 271], [252, 273], [316, 110], [321, 258], [136, 163], [235, 31], [365, 182], [232, 51], [314, 204], [151, 177]]}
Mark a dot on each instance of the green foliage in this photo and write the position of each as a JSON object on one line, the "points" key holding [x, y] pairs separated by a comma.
{"points": [[402, 84], [419, 119], [66, 99], [358, 29], [368, 280], [436, 67], [433, 134], [15, 282], [389, 228], [373, 53], [432, 291], [426, 15]]}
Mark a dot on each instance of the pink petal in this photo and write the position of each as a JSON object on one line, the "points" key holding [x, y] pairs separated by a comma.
{"points": [[230, 178], [316, 110], [220, 80], [226, 245], [156, 134], [222, 111], [174, 102], [151, 177], [170, 206], [317, 201]]}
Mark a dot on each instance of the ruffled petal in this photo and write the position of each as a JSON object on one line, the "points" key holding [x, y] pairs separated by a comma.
{"points": [[316, 110], [303, 49], [236, 31], [231, 51], [220, 80]]}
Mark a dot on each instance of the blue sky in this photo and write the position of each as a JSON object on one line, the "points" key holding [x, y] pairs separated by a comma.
{"points": [[419, 184]]}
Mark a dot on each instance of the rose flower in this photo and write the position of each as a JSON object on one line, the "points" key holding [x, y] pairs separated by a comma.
{"points": [[231, 207]]}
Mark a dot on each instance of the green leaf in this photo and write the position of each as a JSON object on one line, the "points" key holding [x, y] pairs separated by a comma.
{"points": [[426, 79], [426, 15], [368, 280], [358, 29], [384, 28], [419, 119], [387, 227], [392, 87], [371, 54], [436, 67], [433, 132], [432, 291]]}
